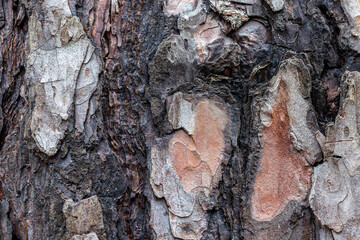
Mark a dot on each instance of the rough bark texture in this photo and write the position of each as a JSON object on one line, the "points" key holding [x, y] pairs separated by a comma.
{"points": [[179, 119]]}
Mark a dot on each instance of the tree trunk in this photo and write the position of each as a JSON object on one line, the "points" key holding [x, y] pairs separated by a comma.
{"points": [[179, 119]]}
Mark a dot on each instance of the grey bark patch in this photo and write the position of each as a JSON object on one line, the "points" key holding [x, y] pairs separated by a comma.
{"points": [[335, 196], [83, 217], [276, 5], [90, 236], [64, 70]]}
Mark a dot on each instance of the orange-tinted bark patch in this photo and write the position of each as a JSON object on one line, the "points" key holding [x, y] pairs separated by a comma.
{"points": [[357, 20], [283, 174], [87, 72], [196, 159]]}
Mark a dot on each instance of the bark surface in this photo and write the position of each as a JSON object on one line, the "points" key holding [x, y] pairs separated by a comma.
{"points": [[179, 119]]}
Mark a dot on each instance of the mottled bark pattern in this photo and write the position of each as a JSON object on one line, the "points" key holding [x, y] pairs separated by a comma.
{"points": [[179, 119]]}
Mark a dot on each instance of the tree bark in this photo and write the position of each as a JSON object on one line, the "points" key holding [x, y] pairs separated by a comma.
{"points": [[179, 119]]}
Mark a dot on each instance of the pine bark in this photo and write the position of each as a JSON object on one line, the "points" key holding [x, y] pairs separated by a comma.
{"points": [[179, 119]]}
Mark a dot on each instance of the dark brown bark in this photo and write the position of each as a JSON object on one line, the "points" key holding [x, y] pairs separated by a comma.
{"points": [[221, 107]]}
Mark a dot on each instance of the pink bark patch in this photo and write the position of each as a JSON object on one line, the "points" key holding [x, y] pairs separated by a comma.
{"points": [[283, 174], [197, 158], [206, 34], [174, 7]]}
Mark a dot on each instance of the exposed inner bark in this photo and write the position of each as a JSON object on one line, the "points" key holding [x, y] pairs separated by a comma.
{"points": [[283, 174], [197, 158]]}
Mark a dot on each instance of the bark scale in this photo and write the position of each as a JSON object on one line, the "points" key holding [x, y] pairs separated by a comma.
{"points": [[179, 119]]}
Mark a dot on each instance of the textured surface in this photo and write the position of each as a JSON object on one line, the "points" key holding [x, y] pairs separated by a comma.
{"points": [[335, 195], [90, 236], [284, 174], [186, 172], [63, 70], [83, 217], [179, 119]]}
